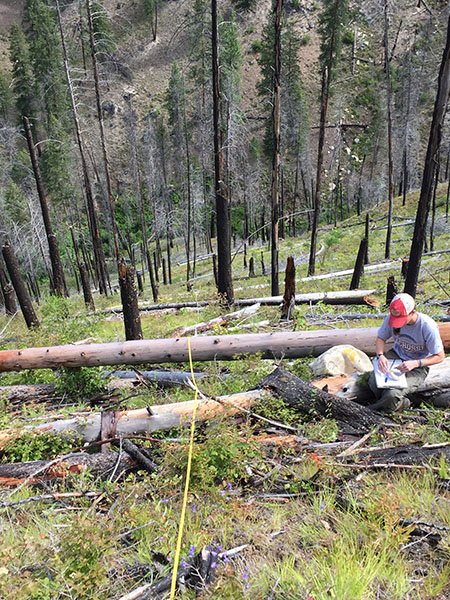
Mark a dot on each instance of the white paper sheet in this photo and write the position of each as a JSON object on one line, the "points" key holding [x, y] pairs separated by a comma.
{"points": [[393, 379]]}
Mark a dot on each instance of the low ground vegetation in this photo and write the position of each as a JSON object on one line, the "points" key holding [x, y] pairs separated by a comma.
{"points": [[310, 525]]}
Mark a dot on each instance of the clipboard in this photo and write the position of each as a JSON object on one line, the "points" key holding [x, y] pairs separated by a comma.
{"points": [[393, 379]]}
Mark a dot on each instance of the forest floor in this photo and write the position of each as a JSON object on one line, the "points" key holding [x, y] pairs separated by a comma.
{"points": [[277, 512]]}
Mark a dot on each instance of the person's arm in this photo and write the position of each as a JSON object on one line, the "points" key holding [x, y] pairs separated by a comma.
{"points": [[383, 363], [433, 359]]}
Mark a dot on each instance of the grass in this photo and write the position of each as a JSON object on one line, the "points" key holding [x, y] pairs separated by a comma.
{"points": [[339, 535]]}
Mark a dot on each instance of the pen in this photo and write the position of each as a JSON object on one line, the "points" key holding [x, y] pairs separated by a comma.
{"points": [[390, 369]]}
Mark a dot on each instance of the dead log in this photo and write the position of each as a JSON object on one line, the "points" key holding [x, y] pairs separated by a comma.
{"points": [[359, 264], [143, 420], [222, 320], [293, 344], [18, 394], [405, 455], [302, 396], [350, 297], [435, 389], [36, 471]]}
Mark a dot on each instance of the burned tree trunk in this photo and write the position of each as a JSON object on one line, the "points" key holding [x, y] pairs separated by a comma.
{"points": [[276, 123], [19, 286], [59, 280], [8, 292], [84, 276], [308, 400], [132, 320], [391, 289], [288, 306], [359, 265], [251, 267], [440, 106]]}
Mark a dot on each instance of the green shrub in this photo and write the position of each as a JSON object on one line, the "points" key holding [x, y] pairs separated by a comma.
{"points": [[256, 46], [39, 446], [81, 382]]}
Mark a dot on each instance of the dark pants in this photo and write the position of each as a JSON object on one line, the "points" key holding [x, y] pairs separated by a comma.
{"points": [[391, 399]]}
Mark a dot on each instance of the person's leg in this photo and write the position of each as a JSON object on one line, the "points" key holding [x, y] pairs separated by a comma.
{"points": [[391, 399]]}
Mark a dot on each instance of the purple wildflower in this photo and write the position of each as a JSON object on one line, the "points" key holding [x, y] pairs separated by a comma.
{"points": [[192, 550], [213, 565], [247, 586], [222, 493], [194, 509], [245, 576], [229, 485], [322, 506], [164, 500]]}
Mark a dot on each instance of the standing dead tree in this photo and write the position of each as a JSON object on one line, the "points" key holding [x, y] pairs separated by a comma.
{"points": [[59, 281], [132, 321], [429, 171], [19, 285], [99, 257]]}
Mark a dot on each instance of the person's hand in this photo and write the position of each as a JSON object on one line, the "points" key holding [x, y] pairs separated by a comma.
{"points": [[408, 365], [383, 364]]}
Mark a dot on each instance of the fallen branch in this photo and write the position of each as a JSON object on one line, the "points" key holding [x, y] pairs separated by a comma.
{"points": [[222, 320]]}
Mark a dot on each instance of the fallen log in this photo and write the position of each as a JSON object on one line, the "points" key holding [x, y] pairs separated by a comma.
{"points": [[353, 297], [351, 418], [145, 420], [222, 320], [20, 394], [293, 344], [405, 455], [36, 471], [435, 389]]}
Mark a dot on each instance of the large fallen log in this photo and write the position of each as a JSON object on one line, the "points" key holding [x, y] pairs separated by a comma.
{"points": [[36, 471], [145, 420], [310, 401], [435, 389], [293, 344], [346, 297]]}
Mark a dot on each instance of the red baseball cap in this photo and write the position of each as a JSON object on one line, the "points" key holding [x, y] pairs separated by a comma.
{"points": [[401, 306]]}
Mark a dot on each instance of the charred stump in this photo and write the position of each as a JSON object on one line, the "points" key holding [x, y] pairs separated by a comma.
{"points": [[359, 264], [251, 267], [132, 320], [288, 305], [391, 289]]}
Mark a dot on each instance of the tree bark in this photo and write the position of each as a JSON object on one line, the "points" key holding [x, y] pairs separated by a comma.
{"points": [[23, 296], [387, 66], [434, 141], [359, 264], [225, 282], [37, 471], [131, 316], [288, 306], [59, 280], [276, 123], [308, 400], [317, 203], [8, 292], [293, 344]]}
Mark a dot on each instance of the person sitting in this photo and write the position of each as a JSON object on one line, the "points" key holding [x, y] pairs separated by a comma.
{"points": [[417, 344]]}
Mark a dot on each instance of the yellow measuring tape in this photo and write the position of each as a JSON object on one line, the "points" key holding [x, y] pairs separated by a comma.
{"points": [[186, 485]]}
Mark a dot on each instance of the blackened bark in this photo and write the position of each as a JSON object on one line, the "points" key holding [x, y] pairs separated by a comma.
{"points": [[87, 294], [164, 271], [276, 122], [225, 282], [391, 289], [251, 267], [8, 293], [59, 280], [387, 249], [152, 278], [23, 296], [308, 400], [317, 203], [131, 318], [359, 264], [434, 141], [366, 235], [288, 305]]}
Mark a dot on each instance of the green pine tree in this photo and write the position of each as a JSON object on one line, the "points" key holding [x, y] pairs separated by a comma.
{"points": [[6, 95], [23, 79], [103, 32], [45, 51]]}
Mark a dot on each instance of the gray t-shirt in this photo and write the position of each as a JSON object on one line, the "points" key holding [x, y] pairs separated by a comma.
{"points": [[416, 341]]}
